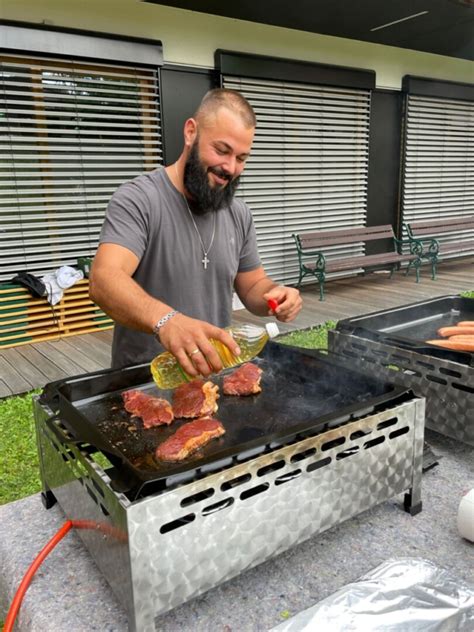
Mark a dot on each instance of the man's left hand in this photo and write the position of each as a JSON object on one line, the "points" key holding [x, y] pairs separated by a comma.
{"points": [[289, 302]]}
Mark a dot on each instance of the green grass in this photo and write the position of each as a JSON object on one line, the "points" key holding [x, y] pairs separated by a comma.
{"points": [[313, 338], [468, 294], [19, 473]]}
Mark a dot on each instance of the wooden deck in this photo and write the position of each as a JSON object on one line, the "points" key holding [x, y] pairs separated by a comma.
{"points": [[32, 366]]}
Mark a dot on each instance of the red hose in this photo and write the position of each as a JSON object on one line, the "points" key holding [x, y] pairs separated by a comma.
{"points": [[25, 582], [57, 537]]}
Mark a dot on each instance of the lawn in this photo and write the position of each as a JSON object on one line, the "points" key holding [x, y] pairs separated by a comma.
{"points": [[19, 475]]}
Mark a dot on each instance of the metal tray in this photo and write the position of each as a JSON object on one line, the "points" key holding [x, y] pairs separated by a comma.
{"points": [[409, 326], [301, 394]]}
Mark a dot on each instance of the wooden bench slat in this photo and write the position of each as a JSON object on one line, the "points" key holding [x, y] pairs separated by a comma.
{"points": [[445, 225], [346, 236]]}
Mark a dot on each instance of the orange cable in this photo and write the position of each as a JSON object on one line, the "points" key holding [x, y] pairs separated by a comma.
{"points": [[25, 582]]}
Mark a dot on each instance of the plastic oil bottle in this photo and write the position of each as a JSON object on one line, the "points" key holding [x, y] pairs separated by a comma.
{"points": [[168, 373]]}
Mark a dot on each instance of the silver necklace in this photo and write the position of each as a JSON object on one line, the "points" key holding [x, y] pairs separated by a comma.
{"points": [[205, 260]]}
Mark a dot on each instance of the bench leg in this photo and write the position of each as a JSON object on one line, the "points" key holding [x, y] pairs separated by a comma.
{"points": [[433, 268], [300, 278], [392, 270], [410, 264], [321, 278]]}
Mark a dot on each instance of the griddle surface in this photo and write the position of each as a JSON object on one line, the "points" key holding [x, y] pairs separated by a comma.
{"points": [[301, 394]]}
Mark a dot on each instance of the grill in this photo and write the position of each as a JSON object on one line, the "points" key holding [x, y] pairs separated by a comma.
{"points": [[320, 444], [391, 344]]}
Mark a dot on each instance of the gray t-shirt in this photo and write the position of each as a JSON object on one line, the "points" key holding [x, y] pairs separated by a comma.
{"points": [[148, 215]]}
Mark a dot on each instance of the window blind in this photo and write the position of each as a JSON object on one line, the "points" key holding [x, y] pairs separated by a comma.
{"points": [[308, 168], [71, 133], [438, 178]]}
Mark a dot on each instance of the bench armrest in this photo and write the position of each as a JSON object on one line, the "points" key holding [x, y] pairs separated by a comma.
{"points": [[315, 255], [415, 245]]}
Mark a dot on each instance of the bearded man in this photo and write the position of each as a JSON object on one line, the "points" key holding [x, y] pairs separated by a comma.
{"points": [[176, 243]]}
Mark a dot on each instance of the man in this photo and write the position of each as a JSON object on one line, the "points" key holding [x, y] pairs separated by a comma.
{"points": [[175, 244]]}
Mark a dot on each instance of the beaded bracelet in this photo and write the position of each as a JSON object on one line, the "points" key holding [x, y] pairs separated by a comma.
{"points": [[162, 321]]}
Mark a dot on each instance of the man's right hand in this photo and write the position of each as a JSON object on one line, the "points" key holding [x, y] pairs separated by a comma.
{"points": [[188, 339]]}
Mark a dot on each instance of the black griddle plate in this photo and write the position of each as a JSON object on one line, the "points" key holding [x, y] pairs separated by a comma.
{"points": [[410, 326], [301, 393]]}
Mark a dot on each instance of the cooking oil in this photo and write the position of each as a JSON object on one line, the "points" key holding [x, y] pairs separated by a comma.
{"points": [[168, 373]]}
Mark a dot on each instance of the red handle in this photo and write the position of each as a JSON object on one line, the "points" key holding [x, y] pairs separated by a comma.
{"points": [[272, 304]]}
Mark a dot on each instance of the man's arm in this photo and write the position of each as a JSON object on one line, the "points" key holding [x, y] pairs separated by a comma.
{"points": [[255, 288], [114, 290]]}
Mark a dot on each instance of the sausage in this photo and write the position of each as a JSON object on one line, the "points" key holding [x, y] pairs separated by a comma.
{"points": [[455, 345], [456, 331], [466, 323], [461, 338]]}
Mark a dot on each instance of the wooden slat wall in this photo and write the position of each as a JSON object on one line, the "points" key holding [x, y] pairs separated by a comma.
{"points": [[24, 319]]}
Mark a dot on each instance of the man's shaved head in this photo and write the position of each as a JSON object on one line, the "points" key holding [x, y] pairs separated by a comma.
{"points": [[224, 98]]}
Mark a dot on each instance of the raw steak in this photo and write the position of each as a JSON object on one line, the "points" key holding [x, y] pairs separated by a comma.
{"points": [[243, 381], [195, 399], [189, 438], [154, 411]]}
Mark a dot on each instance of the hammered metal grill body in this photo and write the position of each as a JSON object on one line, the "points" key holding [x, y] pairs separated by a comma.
{"points": [[447, 386], [162, 550]]}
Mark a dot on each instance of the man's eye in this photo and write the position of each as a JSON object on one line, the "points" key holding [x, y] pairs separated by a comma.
{"points": [[221, 151]]}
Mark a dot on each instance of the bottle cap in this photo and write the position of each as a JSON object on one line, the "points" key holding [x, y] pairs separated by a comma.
{"points": [[272, 304], [272, 330]]}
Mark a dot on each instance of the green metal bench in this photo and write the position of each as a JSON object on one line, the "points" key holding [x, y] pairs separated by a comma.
{"points": [[312, 251], [424, 238]]}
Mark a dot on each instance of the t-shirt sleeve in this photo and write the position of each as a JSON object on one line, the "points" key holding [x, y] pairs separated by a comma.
{"points": [[249, 257], [127, 219]]}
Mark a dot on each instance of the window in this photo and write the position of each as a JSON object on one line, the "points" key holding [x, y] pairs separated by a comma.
{"points": [[72, 131], [438, 176], [309, 165]]}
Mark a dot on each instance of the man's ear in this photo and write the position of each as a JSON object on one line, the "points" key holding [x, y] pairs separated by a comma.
{"points": [[190, 132]]}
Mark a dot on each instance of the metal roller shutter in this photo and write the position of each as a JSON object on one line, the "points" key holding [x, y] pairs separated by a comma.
{"points": [[438, 180], [71, 133], [309, 165]]}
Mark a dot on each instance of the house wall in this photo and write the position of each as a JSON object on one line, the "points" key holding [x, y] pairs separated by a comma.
{"points": [[191, 38]]}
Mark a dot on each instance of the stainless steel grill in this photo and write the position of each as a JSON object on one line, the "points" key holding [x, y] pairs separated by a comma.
{"points": [[162, 548], [390, 345]]}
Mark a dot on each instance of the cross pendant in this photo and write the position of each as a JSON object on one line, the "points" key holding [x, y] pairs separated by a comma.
{"points": [[205, 261]]}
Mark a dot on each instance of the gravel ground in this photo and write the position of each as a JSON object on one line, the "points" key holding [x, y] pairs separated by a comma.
{"points": [[69, 592]]}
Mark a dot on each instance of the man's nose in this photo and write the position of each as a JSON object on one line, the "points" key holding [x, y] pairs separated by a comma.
{"points": [[229, 167]]}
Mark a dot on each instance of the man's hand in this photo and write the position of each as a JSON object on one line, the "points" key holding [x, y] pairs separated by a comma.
{"points": [[188, 339], [289, 302]]}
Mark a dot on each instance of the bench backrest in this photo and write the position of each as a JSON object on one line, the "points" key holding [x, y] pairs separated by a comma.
{"points": [[322, 238], [438, 226]]}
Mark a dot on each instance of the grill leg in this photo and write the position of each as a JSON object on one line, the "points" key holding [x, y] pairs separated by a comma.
{"points": [[412, 501], [48, 499], [409, 506]]}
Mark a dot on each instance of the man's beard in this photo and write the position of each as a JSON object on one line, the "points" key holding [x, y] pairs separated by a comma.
{"points": [[204, 197]]}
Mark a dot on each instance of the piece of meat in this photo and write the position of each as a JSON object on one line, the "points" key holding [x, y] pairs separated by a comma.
{"points": [[189, 438], [456, 331], [154, 411], [243, 381], [195, 399], [455, 345], [466, 323]]}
